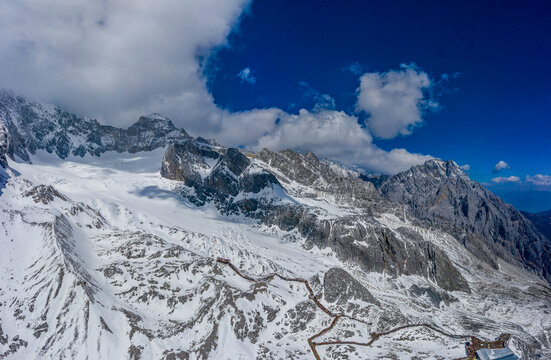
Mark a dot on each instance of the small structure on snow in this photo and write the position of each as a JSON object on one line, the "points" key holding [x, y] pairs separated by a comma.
{"points": [[496, 354]]}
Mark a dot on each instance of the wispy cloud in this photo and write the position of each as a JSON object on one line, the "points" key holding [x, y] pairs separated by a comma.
{"points": [[355, 68], [395, 101], [539, 180], [465, 167], [502, 179], [247, 76]]}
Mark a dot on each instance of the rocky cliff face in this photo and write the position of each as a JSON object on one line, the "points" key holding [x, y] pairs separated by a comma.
{"points": [[34, 126], [223, 176], [441, 194], [292, 190], [3, 156]]}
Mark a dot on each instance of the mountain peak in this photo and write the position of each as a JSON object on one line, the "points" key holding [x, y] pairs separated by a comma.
{"points": [[151, 122], [437, 168], [155, 116]]}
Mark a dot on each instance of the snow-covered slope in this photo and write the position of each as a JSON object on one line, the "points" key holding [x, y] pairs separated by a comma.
{"points": [[104, 258]]}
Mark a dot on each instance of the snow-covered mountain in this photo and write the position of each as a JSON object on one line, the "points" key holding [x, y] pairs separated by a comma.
{"points": [[147, 243]]}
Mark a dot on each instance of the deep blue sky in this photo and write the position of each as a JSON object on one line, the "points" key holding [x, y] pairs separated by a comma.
{"points": [[498, 108]]}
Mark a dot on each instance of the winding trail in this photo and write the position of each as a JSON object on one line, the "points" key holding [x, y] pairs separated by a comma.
{"points": [[313, 344]]}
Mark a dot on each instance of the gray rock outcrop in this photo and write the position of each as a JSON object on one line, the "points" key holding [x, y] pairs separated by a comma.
{"points": [[221, 175], [4, 144], [340, 287], [319, 177]]}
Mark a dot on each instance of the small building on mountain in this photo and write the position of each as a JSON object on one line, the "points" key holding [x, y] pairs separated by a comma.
{"points": [[496, 354]]}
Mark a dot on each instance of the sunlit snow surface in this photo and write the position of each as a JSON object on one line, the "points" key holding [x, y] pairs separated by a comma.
{"points": [[119, 266]]}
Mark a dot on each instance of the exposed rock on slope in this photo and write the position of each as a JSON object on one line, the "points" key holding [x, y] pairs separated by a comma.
{"points": [[375, 247], [339, 286], [3, 146], [318, 178], [441, 194], [222, 175], [4, 143]]}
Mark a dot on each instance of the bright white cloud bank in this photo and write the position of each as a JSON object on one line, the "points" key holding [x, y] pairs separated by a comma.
{"points": [[114, 59], [117, 60]]}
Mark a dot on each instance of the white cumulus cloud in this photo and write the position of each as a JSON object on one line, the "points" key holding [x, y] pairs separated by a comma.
{"points": [[500, 166], [115, 60], [395, 100]]}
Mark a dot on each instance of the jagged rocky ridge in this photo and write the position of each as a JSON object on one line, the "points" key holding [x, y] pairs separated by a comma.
{"points": [[220, 175], [3, 146], [35, 126], [3, 156]]}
